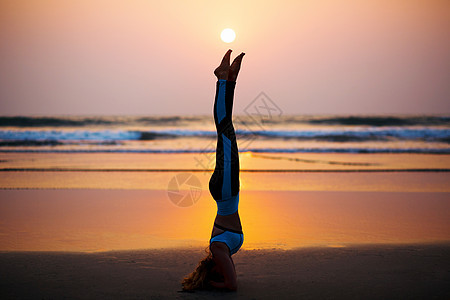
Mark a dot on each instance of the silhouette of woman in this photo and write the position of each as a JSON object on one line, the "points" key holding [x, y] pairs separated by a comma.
{"points": [[217, 268]]}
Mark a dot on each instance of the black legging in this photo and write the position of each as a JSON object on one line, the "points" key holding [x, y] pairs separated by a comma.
{"points": [[224, 182]]}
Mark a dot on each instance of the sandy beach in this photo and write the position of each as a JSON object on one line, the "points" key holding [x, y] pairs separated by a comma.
{"points": [[364, 272], [90, 226]]}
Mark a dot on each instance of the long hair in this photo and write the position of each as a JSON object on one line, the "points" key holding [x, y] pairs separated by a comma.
{"points": [[199, 279]]}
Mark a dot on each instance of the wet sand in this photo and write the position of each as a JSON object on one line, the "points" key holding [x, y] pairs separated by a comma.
{"points": [[205, 161], [102, 220], [298, 245], [357, 272], [332, 226]]}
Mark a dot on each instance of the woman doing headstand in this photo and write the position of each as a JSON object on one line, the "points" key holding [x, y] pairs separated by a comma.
{"points": [[217, 268]]}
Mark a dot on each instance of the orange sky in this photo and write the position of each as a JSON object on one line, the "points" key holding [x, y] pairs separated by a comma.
{"points": [[157, 57]]}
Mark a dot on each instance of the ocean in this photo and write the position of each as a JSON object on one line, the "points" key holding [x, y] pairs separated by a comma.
{"points": [[196, 134]]}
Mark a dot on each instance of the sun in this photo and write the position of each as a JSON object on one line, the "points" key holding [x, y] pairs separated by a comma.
{"points": [[228, 35]]}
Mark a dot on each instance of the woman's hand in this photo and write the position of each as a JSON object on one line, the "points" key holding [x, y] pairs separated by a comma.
{"points": [[225, 71]]}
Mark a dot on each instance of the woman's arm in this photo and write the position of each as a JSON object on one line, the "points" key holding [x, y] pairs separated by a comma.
{"points": [[225, 265]]}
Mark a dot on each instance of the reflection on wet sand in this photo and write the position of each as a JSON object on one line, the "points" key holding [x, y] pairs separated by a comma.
{"points": [[96, 220]]}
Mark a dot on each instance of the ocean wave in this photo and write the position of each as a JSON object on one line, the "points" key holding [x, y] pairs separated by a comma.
{"points": [[356, 135], [22, 121], [28, 143], [254, 150], [379, 121], [169, 120], [53, 143], [186, 121], [52, 122], [65, 135], [338, 134]]}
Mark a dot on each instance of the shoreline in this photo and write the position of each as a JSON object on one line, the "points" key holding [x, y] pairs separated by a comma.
{"points": [[348, 246], [205, 161]]}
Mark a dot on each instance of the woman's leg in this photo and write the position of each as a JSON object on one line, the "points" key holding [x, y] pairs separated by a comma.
{"points": [[224, 182]]}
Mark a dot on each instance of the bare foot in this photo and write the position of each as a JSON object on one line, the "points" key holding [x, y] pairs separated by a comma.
{"points": [[221, 71], [235, 67]]}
